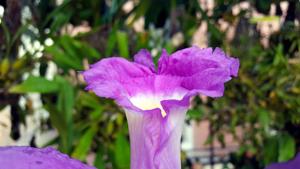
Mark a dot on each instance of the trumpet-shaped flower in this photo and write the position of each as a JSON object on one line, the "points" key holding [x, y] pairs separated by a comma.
{"points": [[34, 158], [155, 100]]}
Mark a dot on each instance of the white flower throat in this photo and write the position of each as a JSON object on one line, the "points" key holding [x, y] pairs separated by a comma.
{"points": [[150, 101]]}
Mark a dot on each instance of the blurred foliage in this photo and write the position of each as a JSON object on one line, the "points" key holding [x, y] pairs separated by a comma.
{"points": [[263, 102]]}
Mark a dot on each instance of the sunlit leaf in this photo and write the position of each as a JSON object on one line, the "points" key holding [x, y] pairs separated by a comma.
{"points": [[84, 144], [122, 152], [122, 39], [35, 84], [287, 147]]}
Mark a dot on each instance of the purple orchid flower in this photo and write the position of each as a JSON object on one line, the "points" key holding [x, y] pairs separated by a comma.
{"points": [[156, 100], [35, 158], [292, 164]]}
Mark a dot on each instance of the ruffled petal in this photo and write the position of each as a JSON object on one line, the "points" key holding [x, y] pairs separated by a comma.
{"points": [[202, 70], [226, 61], [115, 77], [209, 82], [293, 164], [35, 158], [189, 61], [163, 62], [144, 57]]}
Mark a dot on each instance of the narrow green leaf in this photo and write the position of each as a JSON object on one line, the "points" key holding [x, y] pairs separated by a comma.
{"points": [[111, 42], [99, 161], [55, 12], [66, 98], [89, 51], [65, 105], [255, 20], [84, 144], [6, 33], [19, 32], [89, 100], [122, 152], [67, 43], [96, 115], [279, 55], [59, 123], [122, 40], [264, 118], [35, 84], [4, 67], [62, 59]]}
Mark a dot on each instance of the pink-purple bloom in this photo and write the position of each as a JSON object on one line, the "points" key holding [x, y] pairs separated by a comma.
{"points": [[35, 158], [292, 164], [155, 100]]}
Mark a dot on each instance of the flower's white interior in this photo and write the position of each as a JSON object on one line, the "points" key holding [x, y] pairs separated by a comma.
{"points": [[150, 101]]}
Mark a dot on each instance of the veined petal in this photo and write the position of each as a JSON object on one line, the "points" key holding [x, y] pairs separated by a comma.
{"points": [[163, 62], [293, 164], [202, 70], [35, 158], [226, 61], [209, 82], [144, 57], [187, 62], [112, 77], [155, 140]]}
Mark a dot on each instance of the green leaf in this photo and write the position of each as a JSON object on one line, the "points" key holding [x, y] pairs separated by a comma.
{"points": [[270, 151], [264, 118], [62, 59], [255, 20], [287, 147], [4, 67], [68, 44], [99, 161], [279, 56], [140, 10], [59, 123], [111, 42], [89, 51], [122, 152], [122, 40], [89, 100], [55, 12], [35, 84], [6, 33], [65, 105], [66, 98], [19, 32], [60, 19], [195, 114], [84, 144], [96, 115]]}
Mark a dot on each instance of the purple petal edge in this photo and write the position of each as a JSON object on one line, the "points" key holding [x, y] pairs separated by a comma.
{"points": [[21, 157], [292, 164], [144, 57]]}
